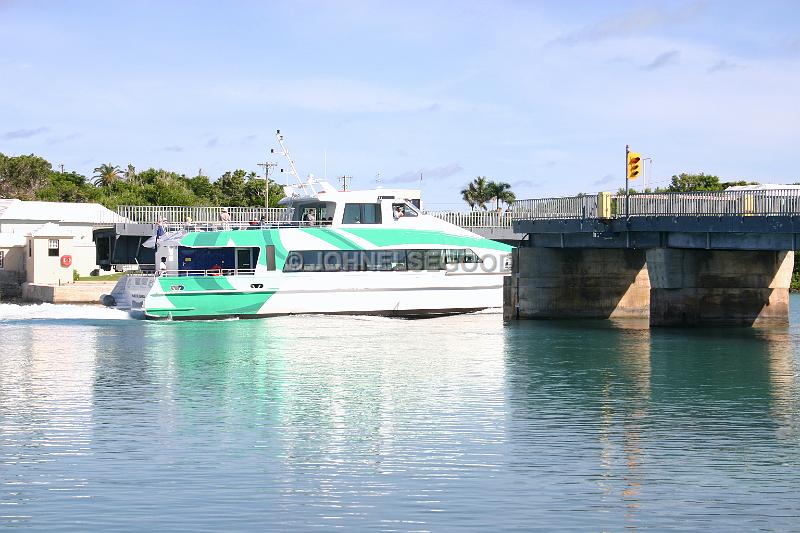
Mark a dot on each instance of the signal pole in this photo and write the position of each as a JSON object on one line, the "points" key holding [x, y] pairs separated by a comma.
{"points": [[627, 151], [267, 166]]}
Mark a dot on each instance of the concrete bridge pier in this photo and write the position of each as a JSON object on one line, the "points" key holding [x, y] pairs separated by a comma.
{"points": [[719, 287], [577, 283]]}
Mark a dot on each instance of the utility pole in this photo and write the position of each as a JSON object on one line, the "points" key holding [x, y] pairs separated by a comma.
{"points": [[267, 166], [62, 167], [344, 181]]}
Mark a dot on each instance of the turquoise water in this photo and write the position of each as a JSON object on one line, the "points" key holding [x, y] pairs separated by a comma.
{"points": [[376, 424]]}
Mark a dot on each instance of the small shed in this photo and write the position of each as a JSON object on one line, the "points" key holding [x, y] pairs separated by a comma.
{"points": [[76, 221]]}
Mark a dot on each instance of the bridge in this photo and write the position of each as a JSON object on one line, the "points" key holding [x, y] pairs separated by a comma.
{"points": [[677, 259]]}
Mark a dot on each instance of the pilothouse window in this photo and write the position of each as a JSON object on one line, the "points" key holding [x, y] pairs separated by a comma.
{"points": [[362, 214]]}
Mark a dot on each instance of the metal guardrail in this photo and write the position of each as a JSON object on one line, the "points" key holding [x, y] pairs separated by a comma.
{"points": [[226, 226], [213, 272], [583, 206], [173, 214], [475, 219], [768, 202], [203, 217]]}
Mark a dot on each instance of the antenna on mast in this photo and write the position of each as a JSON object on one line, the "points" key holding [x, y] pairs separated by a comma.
{"points": [[306, 186]]}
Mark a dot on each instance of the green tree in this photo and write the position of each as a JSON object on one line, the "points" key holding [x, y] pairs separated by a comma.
{"points": [[202, 188], [23, 176], [255, 190], [501, 192], [685, 182], [68, 187], [477, 193], [230, 188], [106, 174], [129, 174]]}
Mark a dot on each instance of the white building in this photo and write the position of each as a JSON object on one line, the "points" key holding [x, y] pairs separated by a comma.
{"points": [[20, 220]]}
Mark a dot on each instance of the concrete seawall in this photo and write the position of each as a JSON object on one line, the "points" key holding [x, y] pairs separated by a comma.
{"points": [[79, 292]]}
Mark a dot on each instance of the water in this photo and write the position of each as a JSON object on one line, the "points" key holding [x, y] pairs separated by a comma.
{"points": [[375, 424]]}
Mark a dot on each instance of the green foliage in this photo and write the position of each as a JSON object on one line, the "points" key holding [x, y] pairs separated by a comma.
{"points": [[795, 284], [501, 192], [23, 176], [30, 177], [481, 190], [105, 175], [68, 187], [686, 182], [694, 182]]}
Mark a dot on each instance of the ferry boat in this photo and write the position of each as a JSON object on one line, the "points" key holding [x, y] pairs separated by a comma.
{"points": [[347, 252]]}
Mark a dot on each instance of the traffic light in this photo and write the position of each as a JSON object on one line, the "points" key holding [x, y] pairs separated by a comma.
{"points": [[634, 165]]}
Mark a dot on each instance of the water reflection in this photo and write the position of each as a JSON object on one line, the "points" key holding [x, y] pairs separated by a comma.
{"points": [[46, 398], [332, 420], [663, 406], [370, 423]]}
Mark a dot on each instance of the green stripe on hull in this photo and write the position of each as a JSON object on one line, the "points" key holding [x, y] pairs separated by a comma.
{"points": [[198, 304], [394, 237], [332, 237], [191, 283]]}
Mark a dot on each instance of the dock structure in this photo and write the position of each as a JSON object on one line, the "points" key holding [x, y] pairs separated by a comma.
{"points": [[677, 259]]}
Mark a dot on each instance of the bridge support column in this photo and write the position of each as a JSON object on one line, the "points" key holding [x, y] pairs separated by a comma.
{"points": [[715, 287], [577, 283]]}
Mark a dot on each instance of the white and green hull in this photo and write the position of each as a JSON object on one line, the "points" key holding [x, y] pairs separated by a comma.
{"points": [[269, 290]]}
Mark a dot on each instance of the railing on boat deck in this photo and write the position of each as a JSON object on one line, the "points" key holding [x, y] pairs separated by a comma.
{"points": [[206, 218], [226, 226], [175, 214], [214, 272]]}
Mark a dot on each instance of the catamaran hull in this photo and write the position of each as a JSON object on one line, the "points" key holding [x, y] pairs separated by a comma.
{"points": [[378, 293]]}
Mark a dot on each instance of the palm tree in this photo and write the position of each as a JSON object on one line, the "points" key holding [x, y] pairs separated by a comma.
{"points": [[500, 192], [105, 175], [129, 174], [477, 193], [468, 194]]}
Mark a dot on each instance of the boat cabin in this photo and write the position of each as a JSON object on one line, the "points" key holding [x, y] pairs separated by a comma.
{"points": [[377, 206]]}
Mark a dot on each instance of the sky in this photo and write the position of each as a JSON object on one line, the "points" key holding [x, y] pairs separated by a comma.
{"points": [[542, 95]]}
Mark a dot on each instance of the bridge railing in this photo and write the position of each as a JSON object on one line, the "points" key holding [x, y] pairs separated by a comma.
{"points": [[768, 202], [583, 206], [475, 219], [735, 203]]}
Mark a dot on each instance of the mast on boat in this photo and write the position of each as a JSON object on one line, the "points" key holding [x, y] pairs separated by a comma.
{"points": [[308, 186]]}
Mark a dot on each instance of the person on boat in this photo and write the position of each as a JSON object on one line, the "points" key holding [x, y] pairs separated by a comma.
{"points": [[161, 229], [215, 270], [162, 266], [398, 212], [225, 218], [310, 217], [262, 221]]}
